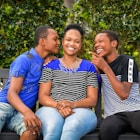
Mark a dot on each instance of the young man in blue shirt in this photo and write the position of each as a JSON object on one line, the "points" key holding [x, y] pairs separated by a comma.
{"points": [[21, 91]]}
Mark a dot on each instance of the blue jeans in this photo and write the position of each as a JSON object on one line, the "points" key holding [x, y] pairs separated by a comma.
{"points": [[73, 127], [11, 119]]}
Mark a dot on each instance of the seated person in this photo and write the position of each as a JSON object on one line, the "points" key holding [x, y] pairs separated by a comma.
{"points": [[68, 91], [20, 94], [119, 73]]}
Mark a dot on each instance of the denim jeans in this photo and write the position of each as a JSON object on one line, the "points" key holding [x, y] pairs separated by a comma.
{"points": [[73, 127], [11, 119]]}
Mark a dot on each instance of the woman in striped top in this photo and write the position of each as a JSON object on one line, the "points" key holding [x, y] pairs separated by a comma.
{"points": [[68, 91]]}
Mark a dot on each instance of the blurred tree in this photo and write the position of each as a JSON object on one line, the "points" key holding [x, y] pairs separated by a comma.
{"points": [[120, 16], [19, 19]]}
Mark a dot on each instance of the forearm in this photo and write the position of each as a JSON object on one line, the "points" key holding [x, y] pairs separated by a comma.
{"points": [[47, 101], [84, 103], [17, 103], [119, 87]]}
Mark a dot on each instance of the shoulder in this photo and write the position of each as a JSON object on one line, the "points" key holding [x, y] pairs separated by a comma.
{"points": [[88, 65], [22, 59], [20, 66], [127, 60], [52, 64], [125, 57]]}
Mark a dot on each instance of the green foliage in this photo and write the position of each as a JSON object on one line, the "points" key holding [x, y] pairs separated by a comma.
{"points": [[120, 16], [19, 19]]}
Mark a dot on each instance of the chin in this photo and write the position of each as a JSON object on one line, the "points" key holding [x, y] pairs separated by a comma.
{"points": [[101, 54]]}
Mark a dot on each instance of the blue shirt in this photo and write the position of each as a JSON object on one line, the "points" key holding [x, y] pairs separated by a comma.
{"points": [[29, 66]]}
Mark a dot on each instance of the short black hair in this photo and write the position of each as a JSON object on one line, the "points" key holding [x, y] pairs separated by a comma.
{"points": [[112, 36], [41, 32], [74, 26]]}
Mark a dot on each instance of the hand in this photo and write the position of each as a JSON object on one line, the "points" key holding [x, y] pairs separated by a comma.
{"points": [[63, 103], [48, 59], [32, 122], [98, 61], [60, 105], [66, 111]]}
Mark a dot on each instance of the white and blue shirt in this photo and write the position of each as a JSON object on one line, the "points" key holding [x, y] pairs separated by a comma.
{"points": [[69, 84]]}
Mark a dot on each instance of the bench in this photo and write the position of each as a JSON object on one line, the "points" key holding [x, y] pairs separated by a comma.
{"points": [[8, 135]]}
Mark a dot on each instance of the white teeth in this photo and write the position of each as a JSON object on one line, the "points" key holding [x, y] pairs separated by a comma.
{"points": [[99, 51], [70, 48]]}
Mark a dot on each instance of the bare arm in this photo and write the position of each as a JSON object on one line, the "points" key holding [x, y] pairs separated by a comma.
{"points": [[13, 98], [90, 101], [44, 95], [46, 100], [122, 89], [30, 118]]}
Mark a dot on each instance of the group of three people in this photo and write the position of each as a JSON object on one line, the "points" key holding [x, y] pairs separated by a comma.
{"points": [[67, 88]]}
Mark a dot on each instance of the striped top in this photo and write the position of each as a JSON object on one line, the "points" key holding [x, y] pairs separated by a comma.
{"points": [[125, 69], [69, 84]]}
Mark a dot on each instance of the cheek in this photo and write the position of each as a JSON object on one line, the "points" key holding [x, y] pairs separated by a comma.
{"points": [[79, 46], [64, 43], [52, 43]]}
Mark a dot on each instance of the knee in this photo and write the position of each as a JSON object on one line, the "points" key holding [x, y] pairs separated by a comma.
{"points": [[41, 112], [108, 129], [27, 135], [52, 132], [52, 129], [73, 125]]}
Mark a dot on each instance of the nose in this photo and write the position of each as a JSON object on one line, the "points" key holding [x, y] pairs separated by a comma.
{"points": [[71, 42]]}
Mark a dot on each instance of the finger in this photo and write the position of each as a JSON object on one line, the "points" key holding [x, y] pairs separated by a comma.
{"points": [[61, 112], [36, 130], [92, 53], [71, 111], [28, 125], [63, 104], [36, 122]]}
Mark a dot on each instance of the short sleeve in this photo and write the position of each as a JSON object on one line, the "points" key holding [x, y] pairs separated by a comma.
{"points": [[92, 79], [46, 75], [130, 71], [20, 66]]}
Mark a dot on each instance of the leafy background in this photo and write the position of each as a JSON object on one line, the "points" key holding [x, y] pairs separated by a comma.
{"points": [[19, 18]]}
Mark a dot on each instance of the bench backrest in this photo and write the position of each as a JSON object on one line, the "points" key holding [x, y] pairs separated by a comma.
{"points": [[3, 77]]}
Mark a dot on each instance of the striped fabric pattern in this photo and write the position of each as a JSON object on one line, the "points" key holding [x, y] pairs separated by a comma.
{"points": [[67, 85], [125, 69], [113, 104]]}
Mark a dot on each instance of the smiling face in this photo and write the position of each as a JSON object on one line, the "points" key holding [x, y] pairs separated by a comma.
{"points": [[51, 42], [72, 42], [103, 46]]}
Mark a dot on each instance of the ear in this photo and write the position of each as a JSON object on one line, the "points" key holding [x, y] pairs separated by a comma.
{"points": [[42, 41], [114, 43]]}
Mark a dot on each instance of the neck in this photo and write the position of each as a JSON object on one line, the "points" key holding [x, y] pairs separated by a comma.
{"points": [[41, 52], [70, 62], [111, 58]]}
